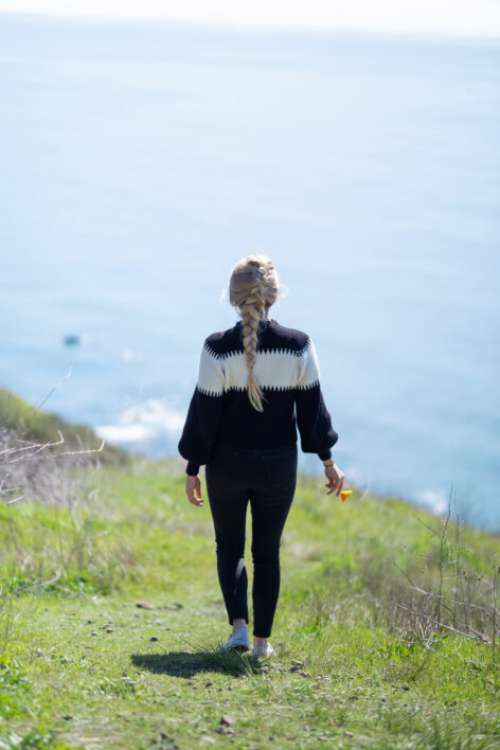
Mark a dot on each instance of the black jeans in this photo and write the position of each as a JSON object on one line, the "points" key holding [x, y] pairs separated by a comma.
{"points": [[267, 478]]}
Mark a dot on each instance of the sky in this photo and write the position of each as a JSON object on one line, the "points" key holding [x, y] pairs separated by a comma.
{"points": [[449, 17]]}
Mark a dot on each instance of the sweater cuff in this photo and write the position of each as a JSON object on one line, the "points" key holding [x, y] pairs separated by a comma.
{"points": [[192, 468], [324, 454]]}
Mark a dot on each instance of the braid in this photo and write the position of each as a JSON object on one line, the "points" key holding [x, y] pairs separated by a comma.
{"points": [[253, 289], [251, 313]]}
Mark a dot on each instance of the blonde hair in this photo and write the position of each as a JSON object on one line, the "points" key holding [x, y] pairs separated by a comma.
{"points": [[253, 288]]}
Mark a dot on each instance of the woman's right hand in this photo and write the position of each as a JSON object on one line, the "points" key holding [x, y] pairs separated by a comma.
{"points": [[193, 490], [335, 477]]}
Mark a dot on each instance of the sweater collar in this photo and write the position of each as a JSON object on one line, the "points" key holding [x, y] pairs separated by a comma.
{"points": [[264, 323]]}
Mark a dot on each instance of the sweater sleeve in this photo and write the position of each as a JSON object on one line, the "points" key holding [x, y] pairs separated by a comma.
{"points": [[317, 434], [202, 419]]}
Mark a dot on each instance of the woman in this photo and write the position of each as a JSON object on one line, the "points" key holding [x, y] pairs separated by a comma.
{"points": [[257, 382]]}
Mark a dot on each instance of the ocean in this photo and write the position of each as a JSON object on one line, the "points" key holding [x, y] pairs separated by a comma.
{"points": [[140, 160]]}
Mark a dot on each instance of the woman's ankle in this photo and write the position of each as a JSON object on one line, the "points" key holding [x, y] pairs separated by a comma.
{"points": [[258, 641], [238, 623]]}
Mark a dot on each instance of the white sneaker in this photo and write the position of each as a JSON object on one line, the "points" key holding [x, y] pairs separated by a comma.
{"points": [[237, 641], [264, 653]]}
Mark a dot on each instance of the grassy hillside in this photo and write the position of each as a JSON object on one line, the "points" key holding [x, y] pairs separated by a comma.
{"points": [[111, 620], [36, 425]]}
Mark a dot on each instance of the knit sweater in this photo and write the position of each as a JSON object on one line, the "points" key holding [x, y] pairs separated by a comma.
{"points": [[287, 371]]}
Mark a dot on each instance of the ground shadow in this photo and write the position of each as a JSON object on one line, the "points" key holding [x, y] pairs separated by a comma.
{"points": [[187, 664]]}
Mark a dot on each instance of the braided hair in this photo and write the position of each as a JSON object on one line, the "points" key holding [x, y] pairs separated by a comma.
{"points": [[253, 288]]}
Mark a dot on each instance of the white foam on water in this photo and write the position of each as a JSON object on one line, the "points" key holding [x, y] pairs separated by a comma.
{"points": [[142, 422], [434, 499], [130, 356]]}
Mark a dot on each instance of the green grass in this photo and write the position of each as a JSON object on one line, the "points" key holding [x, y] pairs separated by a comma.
{"points": [[82, 666]]}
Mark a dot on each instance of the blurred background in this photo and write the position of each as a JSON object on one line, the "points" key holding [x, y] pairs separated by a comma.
{"points": [[146, 146]]}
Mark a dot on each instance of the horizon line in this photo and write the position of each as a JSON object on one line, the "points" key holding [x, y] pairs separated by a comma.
{"points": [[292, 28]]}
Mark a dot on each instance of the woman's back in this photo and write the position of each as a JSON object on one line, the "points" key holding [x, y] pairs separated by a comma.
{"points": [[287, 370]]}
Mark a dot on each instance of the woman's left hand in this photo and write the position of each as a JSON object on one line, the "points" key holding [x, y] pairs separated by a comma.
{"points": [[335, 477], [193, 490]]}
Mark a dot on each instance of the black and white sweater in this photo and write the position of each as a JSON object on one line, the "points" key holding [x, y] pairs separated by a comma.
{"points": [[220, 411]]}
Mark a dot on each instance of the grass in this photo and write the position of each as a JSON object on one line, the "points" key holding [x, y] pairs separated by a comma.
{"points": [[386, 629]]}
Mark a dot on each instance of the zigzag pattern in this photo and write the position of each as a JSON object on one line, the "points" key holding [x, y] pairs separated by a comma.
{"points": [[276, 369], [209, 392], [241, 350]]}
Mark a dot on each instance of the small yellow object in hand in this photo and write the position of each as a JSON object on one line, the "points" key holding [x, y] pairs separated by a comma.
{"points": [[345, 494]]}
